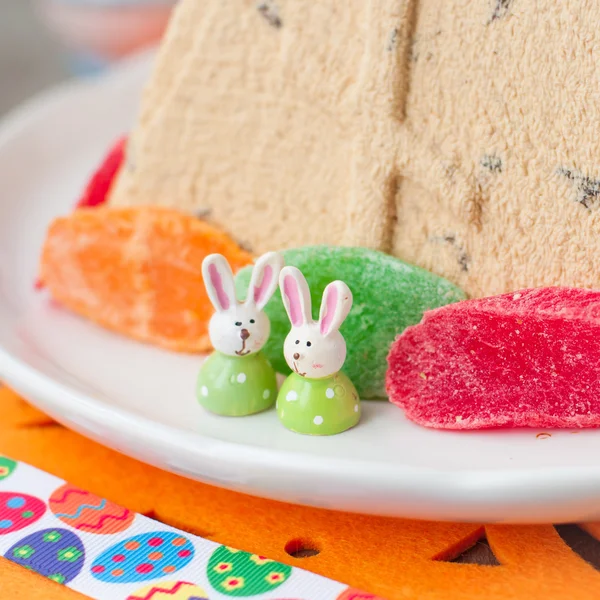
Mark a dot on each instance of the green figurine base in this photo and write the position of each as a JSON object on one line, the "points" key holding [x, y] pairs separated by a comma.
{"points": [[234, 386], [325, 406]]}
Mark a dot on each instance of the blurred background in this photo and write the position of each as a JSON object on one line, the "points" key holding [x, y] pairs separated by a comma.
{"points": [[30, 57], [43, 42]]}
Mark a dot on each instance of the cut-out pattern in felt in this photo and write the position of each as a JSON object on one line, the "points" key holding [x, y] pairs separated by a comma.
{"points": [[392, 558], [479, 554]]}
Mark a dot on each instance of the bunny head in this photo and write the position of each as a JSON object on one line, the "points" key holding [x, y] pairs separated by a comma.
{"points": [[236, 328], [314, 349]]}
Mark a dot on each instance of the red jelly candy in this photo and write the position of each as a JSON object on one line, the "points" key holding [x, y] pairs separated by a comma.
{"points": [[96, 192], [525, 359]]}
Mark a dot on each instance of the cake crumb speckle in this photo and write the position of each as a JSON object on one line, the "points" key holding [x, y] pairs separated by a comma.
{"points": [[392, 40], [492, 163], [270, 12]]}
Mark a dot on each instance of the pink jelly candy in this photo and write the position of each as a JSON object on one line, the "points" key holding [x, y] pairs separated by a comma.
{"points": [[526, 359]]}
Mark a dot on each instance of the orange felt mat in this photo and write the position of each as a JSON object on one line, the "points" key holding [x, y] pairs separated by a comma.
{"points": [[393, 558]]}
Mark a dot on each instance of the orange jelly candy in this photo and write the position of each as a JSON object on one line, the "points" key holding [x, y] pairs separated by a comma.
{"points": [[137, 271]]}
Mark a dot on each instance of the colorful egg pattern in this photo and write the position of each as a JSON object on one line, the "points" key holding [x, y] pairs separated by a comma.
{"points": [[142, 557], [7, 466], [54, 553], [236, 573], [151, 558], [18, 511], [88, 512], [170, 590]]}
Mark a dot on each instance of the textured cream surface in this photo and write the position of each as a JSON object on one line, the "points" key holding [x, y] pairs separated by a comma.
{"points": [[462, 137], [253, 121]]}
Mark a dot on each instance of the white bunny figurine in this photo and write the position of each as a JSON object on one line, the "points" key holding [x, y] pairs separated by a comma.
{"points": [[236, 379], [317, 398]]}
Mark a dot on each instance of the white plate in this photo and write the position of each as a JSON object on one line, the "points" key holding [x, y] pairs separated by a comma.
{"points": [[140, 400]]}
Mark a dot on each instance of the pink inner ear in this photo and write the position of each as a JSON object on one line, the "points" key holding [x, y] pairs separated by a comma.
{"points": [[217, 283], [260, 291], [330, 304], [290, 289]]}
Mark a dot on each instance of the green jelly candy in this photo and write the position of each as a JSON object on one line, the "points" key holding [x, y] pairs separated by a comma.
{"points": [[389, 295]]}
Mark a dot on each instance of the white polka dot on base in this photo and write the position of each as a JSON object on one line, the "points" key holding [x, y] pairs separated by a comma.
{"points": [[241, 377], [204, 390], [356, 408], [318, 420], [329, 393], [266, 394], [292, 395]]}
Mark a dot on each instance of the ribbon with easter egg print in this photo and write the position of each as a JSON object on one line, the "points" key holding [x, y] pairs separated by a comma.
{"points": [[105, 551]]}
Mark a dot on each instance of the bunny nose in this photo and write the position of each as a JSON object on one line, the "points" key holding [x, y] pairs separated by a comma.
{"points": [[244, 334], [296, 356]]}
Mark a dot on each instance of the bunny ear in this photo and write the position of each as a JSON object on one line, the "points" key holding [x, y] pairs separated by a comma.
{"points": [[335, 306], [218, 281], [296, 296], [265, 277]]}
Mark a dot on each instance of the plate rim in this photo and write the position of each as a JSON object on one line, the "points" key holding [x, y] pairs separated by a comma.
{"points": [[475, 487]]}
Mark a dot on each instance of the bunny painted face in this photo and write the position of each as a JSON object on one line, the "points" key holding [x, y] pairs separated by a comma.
{"points": [[314, 349], [239, 329]]}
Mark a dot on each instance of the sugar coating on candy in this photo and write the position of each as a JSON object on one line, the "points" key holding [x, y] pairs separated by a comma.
{"points": [[137, 271], [389, 295], [524, 359]]}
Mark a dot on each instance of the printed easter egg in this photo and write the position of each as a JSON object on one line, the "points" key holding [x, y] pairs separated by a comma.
{"points": [[236, 573], [87, 512], [170, 590], [18, 511], [142, 557], [352, 594], [54, 553], [7, 466]]}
